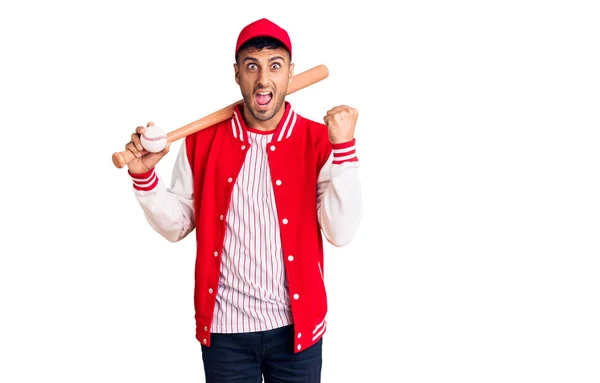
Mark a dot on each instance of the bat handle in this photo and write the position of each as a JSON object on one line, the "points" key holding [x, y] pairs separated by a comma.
{"points": [[121, 159]]}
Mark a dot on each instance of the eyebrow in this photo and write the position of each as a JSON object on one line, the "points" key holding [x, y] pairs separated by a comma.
{"points": [[253, 59]]}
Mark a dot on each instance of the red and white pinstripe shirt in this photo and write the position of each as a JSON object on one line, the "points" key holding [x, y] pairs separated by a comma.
{"points": [[252, 292]]}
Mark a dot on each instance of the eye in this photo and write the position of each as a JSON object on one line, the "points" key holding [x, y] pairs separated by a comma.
{"points": [[252, 66], [276, 66]]}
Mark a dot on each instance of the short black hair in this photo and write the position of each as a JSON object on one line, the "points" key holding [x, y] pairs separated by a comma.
{"points": [[260, 43]]}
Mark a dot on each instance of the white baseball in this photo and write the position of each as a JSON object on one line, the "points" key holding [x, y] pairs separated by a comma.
{"points": [[154, 139]]}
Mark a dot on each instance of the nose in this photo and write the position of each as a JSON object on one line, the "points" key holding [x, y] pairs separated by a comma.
{"points": [[263, 77]]}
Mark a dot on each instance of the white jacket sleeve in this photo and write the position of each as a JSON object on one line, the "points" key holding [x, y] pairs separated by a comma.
{"points": [[339, 198], [169, 211]]}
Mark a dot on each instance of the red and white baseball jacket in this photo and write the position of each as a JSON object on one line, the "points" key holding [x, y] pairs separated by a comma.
{"points": [[317, 191]]}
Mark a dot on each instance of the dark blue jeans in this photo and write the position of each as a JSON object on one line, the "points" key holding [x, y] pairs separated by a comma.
{"points": [[248, 357]]}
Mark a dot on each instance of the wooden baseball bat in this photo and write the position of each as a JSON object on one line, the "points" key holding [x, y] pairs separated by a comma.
{"points": [[299, 81]]}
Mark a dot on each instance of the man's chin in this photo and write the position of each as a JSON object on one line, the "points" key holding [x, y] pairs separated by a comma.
{"points": [[266, 112], [263, 114]]}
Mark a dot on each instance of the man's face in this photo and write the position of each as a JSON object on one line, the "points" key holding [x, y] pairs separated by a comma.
{"points": [[263, 77]]}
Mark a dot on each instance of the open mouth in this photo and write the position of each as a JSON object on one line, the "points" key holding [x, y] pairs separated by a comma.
{"points": [[263, 98]]}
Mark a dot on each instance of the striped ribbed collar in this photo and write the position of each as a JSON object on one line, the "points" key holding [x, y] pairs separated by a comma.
{"points": [[283, 131]]}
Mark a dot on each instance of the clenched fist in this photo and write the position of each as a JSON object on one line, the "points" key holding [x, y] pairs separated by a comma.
{"points": [[341, 121]]}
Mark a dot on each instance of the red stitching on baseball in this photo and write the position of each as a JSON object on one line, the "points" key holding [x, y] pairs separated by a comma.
{"points": [[154, 138]]}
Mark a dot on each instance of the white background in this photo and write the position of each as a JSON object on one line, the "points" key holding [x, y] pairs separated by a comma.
{"points": [[477, 258]]}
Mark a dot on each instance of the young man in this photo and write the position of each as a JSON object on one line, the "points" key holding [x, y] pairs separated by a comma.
{"points": [[260, 189]]}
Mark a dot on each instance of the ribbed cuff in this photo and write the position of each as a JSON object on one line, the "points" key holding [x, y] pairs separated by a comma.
{"points": [[144, 181], [344, 152]]}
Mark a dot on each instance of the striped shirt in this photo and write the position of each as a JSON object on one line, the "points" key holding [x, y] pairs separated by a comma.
{"points": [[253, 293]]}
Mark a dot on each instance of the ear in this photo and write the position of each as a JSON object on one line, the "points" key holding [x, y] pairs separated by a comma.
{"points": [[237, 73], [291, 72]]}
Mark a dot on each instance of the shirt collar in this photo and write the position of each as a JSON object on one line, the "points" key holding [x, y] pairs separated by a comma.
{"points": [[284, 129]]}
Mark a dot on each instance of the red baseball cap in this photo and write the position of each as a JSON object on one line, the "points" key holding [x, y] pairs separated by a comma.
{"points": [[263, 28]]}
